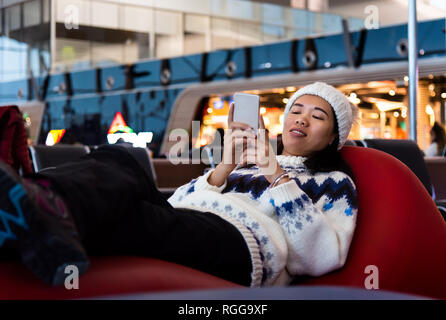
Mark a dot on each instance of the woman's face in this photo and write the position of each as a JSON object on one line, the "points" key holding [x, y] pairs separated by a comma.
{"points": [[308, 127]]}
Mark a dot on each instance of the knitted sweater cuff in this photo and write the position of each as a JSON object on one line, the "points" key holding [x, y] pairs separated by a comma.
{"points": [[286, 192], [203, 184]]}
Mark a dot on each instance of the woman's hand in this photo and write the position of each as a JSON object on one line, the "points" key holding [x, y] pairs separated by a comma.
{"points": [[236, 140], [262, 154]]}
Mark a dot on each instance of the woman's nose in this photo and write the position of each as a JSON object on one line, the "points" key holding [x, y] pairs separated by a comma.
{"points": [[301, 121]]}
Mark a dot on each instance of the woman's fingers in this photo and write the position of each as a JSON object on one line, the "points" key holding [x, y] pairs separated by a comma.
{"points": [[253, 158], [243, 160], [241, 126], [261, 122], [239, 138], [255, 152], [231, 114], [242, 143], [247, 157], [244, 133], [247, 148]]}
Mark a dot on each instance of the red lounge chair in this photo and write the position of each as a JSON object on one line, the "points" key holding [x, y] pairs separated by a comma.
{"points": [[399, 230]]}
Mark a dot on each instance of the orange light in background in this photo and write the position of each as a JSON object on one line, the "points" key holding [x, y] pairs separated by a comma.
{"points": [[376, 84], [404, 112], [203, 142], [372, 115], [54, 137], [385, 106], [353, 97], [431, 114]]}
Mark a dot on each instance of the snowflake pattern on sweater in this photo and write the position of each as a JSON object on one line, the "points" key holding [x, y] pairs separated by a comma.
{"points": [[302, 227]]}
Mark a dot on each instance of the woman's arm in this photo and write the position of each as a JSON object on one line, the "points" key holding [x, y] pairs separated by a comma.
{"points": [[220, 174], [319, 236]]}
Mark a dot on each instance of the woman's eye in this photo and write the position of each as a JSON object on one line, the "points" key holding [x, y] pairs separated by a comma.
{"points": [[319, 118], [295, 112]]}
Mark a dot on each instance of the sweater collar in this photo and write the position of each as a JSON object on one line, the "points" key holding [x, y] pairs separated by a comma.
{"points": [[291, 161]]}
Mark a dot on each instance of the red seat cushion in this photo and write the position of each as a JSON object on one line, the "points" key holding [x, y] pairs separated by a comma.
{"points": [[109, 276], [399, 229]]}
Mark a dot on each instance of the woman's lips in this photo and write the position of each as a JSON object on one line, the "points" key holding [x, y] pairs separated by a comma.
{"points": [[298, 133]]}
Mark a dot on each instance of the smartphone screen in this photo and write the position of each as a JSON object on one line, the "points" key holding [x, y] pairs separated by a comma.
{"points": [[246, 109]]}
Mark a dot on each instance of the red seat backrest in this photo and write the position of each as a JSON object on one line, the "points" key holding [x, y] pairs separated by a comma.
{"points": [[399, 229]]}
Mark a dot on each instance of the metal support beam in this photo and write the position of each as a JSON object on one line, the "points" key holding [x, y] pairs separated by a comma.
{"points": [[348, 43], [52, 34], [413, 68]]}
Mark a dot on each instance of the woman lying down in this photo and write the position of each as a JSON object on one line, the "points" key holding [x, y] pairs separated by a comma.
{"points": [[258, 220]]}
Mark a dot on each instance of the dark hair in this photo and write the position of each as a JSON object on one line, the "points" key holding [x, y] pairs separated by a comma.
{"points": [[440, 137], [326, 160]]}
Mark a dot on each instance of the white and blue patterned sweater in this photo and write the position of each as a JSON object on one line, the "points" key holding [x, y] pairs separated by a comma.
{"points": [[301, 227]]}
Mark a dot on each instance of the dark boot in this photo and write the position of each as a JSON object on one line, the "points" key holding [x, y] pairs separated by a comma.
{"points": [[36, 221]]}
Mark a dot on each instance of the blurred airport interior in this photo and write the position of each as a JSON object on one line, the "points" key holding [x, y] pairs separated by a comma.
{"points": [[85, 59]]}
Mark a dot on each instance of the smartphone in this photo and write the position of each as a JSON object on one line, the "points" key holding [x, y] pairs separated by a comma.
{"points": [[246, 109]]}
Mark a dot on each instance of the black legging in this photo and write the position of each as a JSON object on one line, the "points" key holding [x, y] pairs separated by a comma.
{"points": [[119, 211]]}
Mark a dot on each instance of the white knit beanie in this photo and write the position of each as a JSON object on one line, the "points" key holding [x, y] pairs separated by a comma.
{"points": [[344, 110]]}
